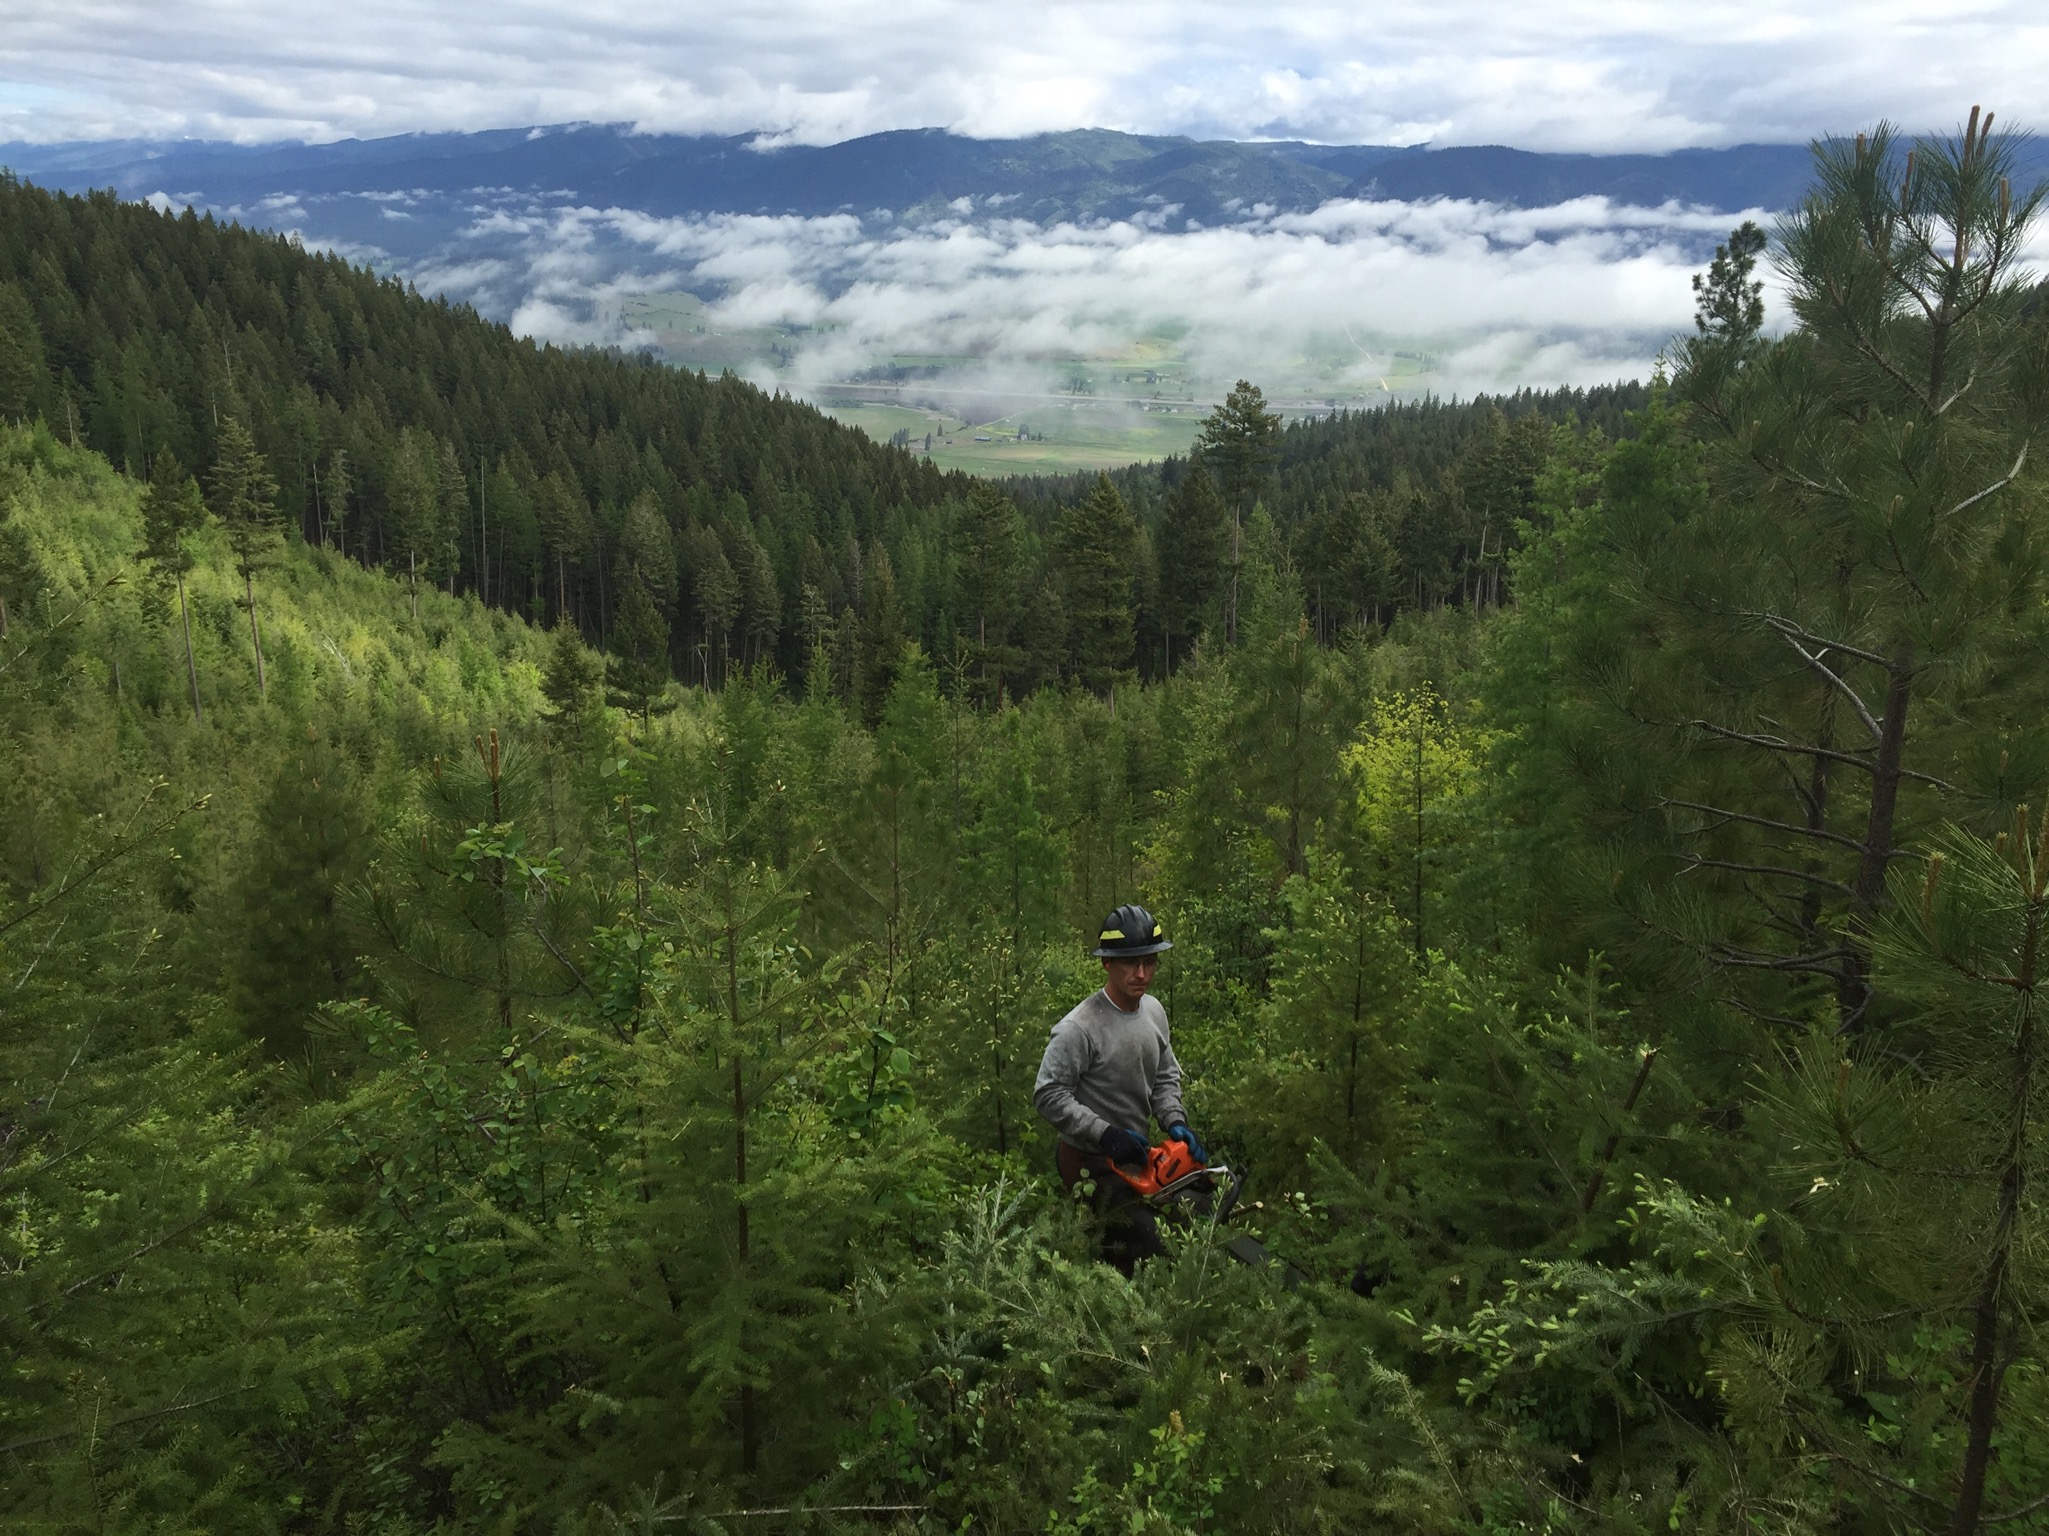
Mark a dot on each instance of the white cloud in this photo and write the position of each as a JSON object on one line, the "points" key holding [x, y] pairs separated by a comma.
{"points": [[1573, 74], [1578, 293]]}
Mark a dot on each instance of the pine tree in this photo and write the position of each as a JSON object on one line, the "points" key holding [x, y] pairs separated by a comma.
{"points": [[563, 519], [1283, 751], [571, 681], [883, 634], [172, 511], [452, 492], [1092, 555], [715, 593], [1000, 993], [647, 551], [639, 667], [1241, 437], [24, 374], [1195, 559], [312, 839], [419, 516], [244, 498], [1867, 554], [339, 485], [1322, 1060], [1728, 300], [1416, 772], [463, 917], [988, 574]]}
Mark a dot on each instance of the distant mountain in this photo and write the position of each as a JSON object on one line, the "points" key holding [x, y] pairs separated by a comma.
{"points": [[1085, 174], [1747, 176]]}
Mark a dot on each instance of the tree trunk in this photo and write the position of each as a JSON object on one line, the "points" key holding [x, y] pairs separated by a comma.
{"points": [[1237, 559], [255, 630], [749, 1447], [191, 667], [1419, 840], [1854, 992], [1987, 1370]]}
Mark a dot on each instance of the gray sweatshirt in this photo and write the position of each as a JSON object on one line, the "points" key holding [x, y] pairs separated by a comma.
{"points": [[1106, 1067]]}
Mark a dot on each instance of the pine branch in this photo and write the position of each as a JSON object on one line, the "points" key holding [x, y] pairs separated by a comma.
{"points": [[1789, 633], [1757, 960], [1725, 814], [58, 1436], [1696, 861], [1786, 626], [1995, 487], [1780, 744], [112, 856]]}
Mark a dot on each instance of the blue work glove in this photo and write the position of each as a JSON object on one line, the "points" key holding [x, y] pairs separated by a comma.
{"points": [[1181, 1133], [1122, 1146]]}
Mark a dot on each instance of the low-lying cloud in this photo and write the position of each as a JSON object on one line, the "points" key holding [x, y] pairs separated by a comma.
{"points": [[1578, 293]]}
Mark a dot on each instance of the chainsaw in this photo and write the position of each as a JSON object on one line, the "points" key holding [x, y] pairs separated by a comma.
{"points": [[1172, 1178]]}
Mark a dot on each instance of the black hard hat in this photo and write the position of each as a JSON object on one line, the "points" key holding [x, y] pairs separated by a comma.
{"points": [[1128, 933]]}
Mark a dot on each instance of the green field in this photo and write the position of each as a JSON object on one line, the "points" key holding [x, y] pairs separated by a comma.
{"points": [[1139, 401], [1062, 437]]}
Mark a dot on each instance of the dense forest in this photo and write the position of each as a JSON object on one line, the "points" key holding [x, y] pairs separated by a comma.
{"points": [[569, 1069], [413, 435]]}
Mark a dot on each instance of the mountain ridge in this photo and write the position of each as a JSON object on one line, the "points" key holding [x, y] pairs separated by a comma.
{"points": [[1075, 174]]}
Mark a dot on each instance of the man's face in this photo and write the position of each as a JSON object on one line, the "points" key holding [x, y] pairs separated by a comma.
{"points": [[1127, 980]]}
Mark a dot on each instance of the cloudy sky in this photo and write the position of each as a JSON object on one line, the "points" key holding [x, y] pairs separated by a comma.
{"points": [[1567, 74]]}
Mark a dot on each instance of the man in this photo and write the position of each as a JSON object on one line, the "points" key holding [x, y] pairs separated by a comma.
{"points": [[1108, 1069]]}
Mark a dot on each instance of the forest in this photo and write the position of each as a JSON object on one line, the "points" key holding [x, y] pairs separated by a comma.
{"points": [[533, 888]]}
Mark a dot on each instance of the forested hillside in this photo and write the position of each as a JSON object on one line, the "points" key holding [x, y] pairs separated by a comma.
{"points": [[416, 436], [453, 1080]]}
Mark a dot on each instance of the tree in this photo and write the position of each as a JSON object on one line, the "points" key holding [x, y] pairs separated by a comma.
{"points": [[1242, 438], [761, 597], [1284, 757], [572, 678], [1010, 872], [639, 668], [879, 657], [172, 511], [419, 514], [1092, 557], [1728, 307], [340, 485], [647, 550], [1195, 558], [244, 499], [1866, 550], [564, 521], [988, 576], [1875, 1310], [313, 837], [24, 374], [714, 592], [452, 491], [1415, 771]]}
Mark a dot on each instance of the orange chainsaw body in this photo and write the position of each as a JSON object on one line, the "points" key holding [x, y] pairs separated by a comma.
{"points": [[1166, 1165]]}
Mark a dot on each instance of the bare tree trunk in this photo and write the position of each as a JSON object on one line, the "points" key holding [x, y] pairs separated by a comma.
{"points": [[191, 667], [255, 630]]}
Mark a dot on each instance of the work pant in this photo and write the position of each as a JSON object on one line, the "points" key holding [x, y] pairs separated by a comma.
{"points": [[1128, 1226]]}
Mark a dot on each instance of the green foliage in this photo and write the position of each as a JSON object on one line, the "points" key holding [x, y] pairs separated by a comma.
{"points": [[1094, 540], [639, 1134], [639, 668], [312, 841]]}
